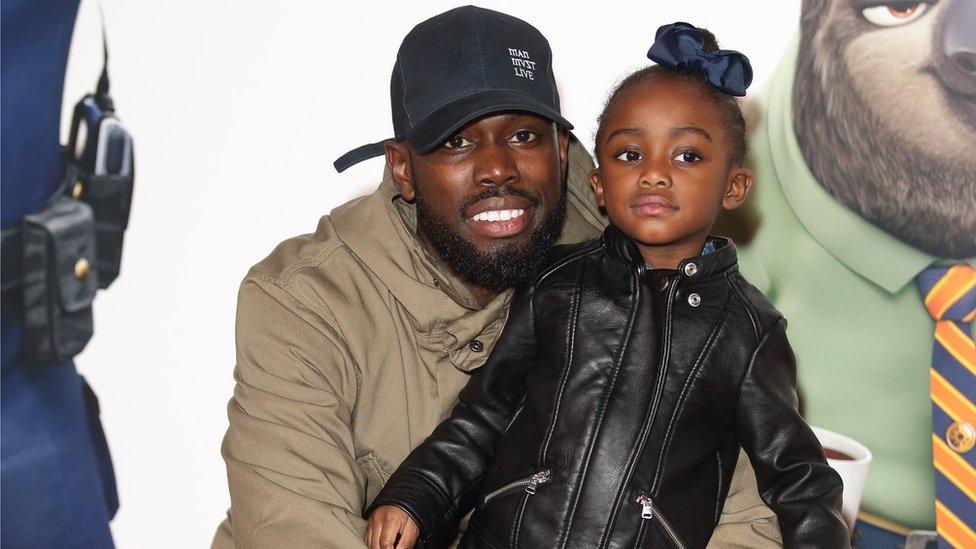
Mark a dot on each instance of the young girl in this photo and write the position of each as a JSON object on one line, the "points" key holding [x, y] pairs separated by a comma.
{"points": [[634, 367]]}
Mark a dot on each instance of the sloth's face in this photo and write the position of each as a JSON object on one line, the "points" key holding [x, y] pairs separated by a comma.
{"points": [[885, 112], [919, 63]]}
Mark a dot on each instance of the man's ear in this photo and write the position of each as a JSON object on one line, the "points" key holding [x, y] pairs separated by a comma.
{"points": [[740, 182], [597, 183], [562, 141], [562, 147], [398, 161]]}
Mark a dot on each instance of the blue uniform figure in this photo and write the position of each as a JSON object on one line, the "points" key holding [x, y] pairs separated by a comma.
{"points": [[58, 483]]}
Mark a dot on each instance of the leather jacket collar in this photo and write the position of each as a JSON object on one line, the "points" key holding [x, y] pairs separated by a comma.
{"points": [[723, 258]]}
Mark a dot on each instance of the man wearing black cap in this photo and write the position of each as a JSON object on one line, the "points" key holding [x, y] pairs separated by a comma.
{"points": [[353, 342]]}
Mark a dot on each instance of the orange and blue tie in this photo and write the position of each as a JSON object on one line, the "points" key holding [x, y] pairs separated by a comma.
{"points": [[950, 297]]}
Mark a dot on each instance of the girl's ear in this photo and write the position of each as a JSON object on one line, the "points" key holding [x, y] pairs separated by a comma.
{"points": [[597, 184], [740, 182], [398, 162]]}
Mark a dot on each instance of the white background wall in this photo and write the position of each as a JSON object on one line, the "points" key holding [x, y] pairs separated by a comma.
{"points": [[238, 109]]}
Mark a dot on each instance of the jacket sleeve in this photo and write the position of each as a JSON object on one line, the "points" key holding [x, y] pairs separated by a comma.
{"points": [[792, 473], [441, 479], [291, 468]]}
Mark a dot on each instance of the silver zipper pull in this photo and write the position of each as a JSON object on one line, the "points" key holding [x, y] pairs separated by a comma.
{"points": [[541, 477], [647, 512]]}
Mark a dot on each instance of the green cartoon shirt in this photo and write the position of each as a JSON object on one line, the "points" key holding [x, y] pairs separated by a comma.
{"points": [[862, 337]]}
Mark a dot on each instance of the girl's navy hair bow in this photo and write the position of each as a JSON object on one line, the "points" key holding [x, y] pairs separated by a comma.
{"points": [[680, 46]]}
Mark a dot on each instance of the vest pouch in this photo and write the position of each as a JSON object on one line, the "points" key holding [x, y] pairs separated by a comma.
{"points": [[59, 280], [110, 197]]}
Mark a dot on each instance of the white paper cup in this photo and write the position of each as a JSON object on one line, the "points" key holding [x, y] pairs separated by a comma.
{"points": [[852, 471]]}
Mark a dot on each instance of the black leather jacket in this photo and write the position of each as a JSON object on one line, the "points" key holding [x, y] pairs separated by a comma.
{"points": [[611, 411]]}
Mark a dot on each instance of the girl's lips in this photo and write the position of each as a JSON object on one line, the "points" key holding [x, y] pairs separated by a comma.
{"points": [[653, 206]]}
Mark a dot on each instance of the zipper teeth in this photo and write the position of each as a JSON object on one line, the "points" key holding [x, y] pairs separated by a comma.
{"points": [[667, 526], [544, 477]]}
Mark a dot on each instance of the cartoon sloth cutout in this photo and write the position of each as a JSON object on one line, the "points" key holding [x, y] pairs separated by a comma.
{"points": [[865, 156]]}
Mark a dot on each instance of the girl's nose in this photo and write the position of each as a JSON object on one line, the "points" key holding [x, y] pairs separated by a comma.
{"points": [[655, 176]]}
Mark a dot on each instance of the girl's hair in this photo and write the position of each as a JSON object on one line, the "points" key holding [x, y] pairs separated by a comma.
{"points": [[728, 106]]}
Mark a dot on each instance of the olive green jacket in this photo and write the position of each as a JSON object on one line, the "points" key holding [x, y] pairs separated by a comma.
{"points": [[352, 344]]}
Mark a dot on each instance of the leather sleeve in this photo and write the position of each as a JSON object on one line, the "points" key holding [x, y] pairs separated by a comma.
{"points": [[441, 479], [792, 473]]}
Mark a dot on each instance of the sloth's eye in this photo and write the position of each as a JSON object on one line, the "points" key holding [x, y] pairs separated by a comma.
{"points": [[893, 14]]}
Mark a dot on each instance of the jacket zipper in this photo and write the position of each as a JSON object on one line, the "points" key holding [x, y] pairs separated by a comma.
{"points": [[530, 483], [648, 512], [652, 413]]}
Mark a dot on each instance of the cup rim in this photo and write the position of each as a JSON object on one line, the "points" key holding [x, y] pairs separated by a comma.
{"points": [[865, 454]]}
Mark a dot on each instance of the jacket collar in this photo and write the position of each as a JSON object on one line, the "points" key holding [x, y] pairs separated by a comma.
{"points": [[699, 267]]}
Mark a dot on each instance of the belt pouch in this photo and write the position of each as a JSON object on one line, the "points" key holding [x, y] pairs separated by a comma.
{"points": [[110, 196], [59, 280]]}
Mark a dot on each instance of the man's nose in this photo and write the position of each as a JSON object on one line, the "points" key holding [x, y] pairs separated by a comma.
{"points": [[958, 41], [495, 164]]}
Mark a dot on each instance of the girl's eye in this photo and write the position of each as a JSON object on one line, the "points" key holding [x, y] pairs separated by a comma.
{"points": [[687, 157], [524, 136], [892, 14], [457, 142], [629, 156]]}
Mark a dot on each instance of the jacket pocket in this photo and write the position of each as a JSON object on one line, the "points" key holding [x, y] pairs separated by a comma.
{"points": [[528, 484], [651, 513], [501, 510]]}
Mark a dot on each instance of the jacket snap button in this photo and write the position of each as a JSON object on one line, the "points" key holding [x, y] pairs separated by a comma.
{"points": [[694, 300], [476, 346], [691, 269]]}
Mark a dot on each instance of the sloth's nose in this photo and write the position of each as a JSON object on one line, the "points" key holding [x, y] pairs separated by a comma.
{"points": [[965, 61], [958, 64]]}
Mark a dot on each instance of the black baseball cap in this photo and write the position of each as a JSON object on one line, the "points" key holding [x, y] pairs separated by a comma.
{"points": [[458, 66]]}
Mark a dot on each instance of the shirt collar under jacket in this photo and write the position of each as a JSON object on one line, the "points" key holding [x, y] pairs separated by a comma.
{"points": [[874, 254]]}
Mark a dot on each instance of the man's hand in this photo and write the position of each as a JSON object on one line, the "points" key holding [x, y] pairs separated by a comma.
{"points": [[385, 523]]}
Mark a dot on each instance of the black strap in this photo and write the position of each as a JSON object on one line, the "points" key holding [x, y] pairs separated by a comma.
{"points": [[102, 89], [10, 262], [359, 154]]}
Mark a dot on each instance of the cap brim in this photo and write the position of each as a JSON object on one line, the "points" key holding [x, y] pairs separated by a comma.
{"points": [[433, 130]]}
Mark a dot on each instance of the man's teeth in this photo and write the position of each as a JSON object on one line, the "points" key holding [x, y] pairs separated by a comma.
{"points": [[498, 215]]}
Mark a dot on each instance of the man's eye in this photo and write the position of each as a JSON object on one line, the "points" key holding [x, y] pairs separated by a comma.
{"points": [[893, 14], [457, 142], [687, 157], [629, 156], [524, 136]]}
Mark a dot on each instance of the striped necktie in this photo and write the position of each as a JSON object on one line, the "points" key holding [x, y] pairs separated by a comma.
{"points": [[949, 294]]}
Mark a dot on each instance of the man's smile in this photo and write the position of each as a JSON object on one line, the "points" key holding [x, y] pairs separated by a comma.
{"points": [[500, 216]]}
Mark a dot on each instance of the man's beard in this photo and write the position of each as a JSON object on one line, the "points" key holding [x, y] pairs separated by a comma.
{"points": [[506, 265], [905, 190]]}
